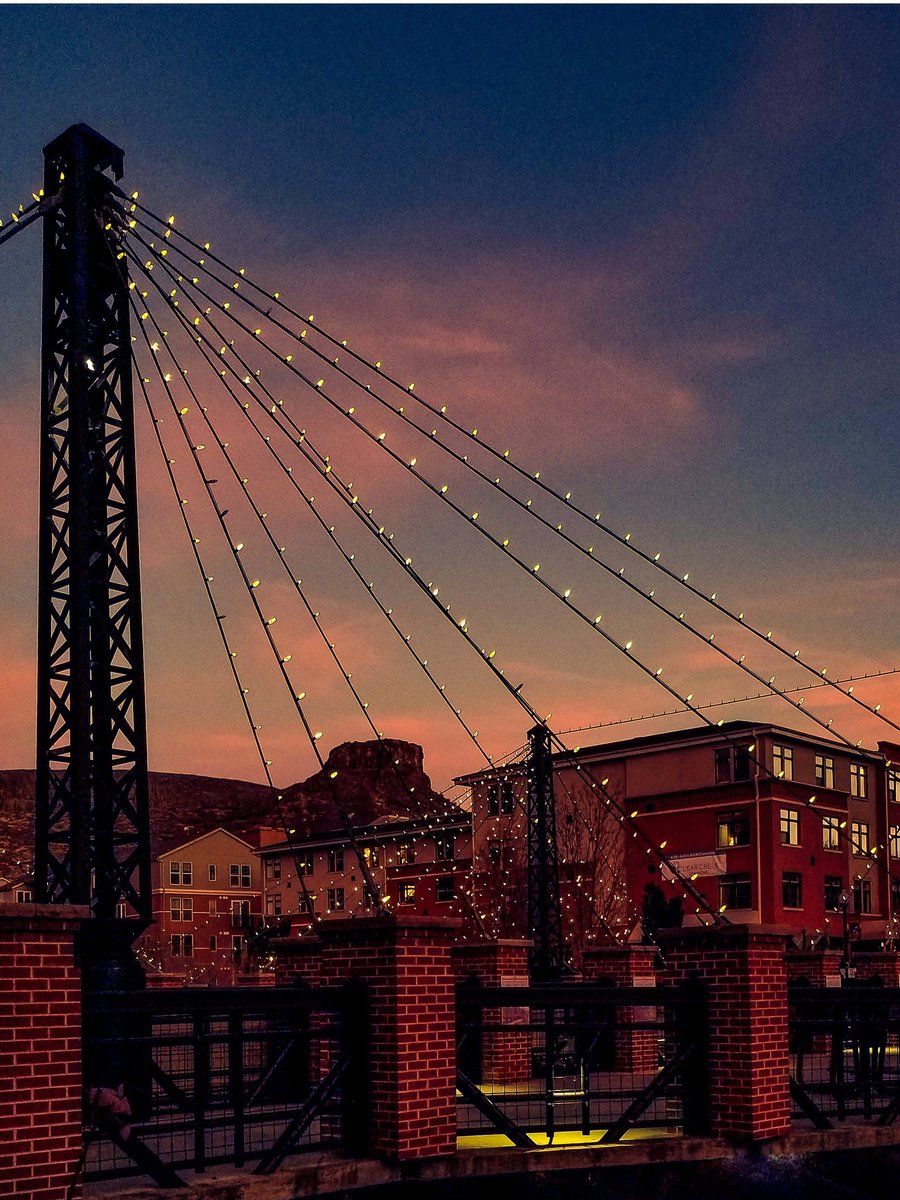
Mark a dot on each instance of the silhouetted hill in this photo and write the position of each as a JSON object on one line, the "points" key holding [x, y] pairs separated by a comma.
{"points": [[373, 780]]}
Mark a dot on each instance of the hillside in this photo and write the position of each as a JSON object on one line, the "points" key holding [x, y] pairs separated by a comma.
{"points": [[373, 780]]}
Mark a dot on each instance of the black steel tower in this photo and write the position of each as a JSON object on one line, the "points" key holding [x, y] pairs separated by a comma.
{"points": [[544, 915], [92, 817]]}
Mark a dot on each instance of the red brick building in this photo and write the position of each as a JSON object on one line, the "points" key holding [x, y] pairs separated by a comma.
{"points": [[771, 824]]}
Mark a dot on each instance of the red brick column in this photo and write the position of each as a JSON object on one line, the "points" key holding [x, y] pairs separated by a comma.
{"points": [[821, 967], [743, 969], [505, 1056], [405, 961], [628, 966], [883, 965], [297, 959], [40, 1019]]}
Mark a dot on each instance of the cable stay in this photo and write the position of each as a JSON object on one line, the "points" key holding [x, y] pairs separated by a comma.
{"points": [[534, 478], [23, 216], [441, 493]]}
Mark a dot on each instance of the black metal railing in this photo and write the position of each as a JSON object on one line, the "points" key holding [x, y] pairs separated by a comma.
{"points": [[221, 1075], [533, 1062], [845, 1053]]}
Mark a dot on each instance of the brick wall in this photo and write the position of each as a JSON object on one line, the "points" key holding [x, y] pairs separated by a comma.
{"points": [[627, 966], [405, 963], [40, 1019], [504, 1056], [743, 969]]}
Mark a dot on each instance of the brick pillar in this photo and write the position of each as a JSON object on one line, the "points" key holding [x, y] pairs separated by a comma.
{"points": [[627, 966], [40, 1018], [405, 963], [821, 967], [883, 965], [505, 1056], [297, 959], [742, 967]]}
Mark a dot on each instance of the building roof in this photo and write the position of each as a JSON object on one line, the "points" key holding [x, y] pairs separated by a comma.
{"points": [[382, 828], [202, 838]]}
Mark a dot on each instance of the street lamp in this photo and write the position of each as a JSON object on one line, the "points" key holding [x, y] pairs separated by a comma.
{"points": [[843, 904]]}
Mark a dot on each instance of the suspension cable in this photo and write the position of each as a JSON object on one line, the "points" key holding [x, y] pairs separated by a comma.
{"points": [[532, 477]]}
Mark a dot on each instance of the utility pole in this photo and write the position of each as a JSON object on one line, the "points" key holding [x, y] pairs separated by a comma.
{"points": [[544, 914], [92, 834]]}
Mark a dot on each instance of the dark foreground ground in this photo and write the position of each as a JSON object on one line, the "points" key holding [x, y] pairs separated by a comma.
{"points": [[851, 1175]]}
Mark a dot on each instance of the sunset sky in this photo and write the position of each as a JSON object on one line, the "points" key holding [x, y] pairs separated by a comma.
{"points": [[655, 252]]}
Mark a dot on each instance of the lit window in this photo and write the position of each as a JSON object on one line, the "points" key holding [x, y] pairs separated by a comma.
{"points": [[789, 821], [783, 761], [407, 893], [406, 854], [859, 837], [372, 856], [824, 771], [336, 859], [895, 841], [831, 833], [444, 847], [834, 886], [181, 874], [893, 784], [335, 899], [792, 889], [862, 896], [735, 891], [239, 875], [304, 861], [859, 783], [733, 828], [444, 889]]}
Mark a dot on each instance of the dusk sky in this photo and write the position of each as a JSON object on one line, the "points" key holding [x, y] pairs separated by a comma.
{"points": [[653, 251]]}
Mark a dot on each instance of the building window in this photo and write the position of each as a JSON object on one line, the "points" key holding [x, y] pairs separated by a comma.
{"points": [[733, 828], [735, 891], [834, 885], [372, 856], [732, 764], [893, 784], [792, 889], [859, 783], [831, 833], [305, 905], [273, 905], [859, 837], [407, 893], [181, 874], [213, 905], [240, 914], [182, 945], [444, 889], [335, 899], [495, 853], [895, 896], [444, 847], [213, 942], [789, 821], [181, 908], [24, 896], [304, 862], [239, 875], [824, 771], [783, 761], [212, 872], [862, 896], [237, 947], [406, 854], [895, 841], [336, 859], [273, 868], [500, 797], [121, 910]]}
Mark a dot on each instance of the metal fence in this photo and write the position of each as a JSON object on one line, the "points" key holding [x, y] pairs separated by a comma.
{"points": [[534, 1062], [194, 1077], [845, 1053]]}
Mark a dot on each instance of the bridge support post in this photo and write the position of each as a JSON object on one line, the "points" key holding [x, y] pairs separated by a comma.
{"points": [[742, 969], [40, 1014], [405, 963], [627, 966]]}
